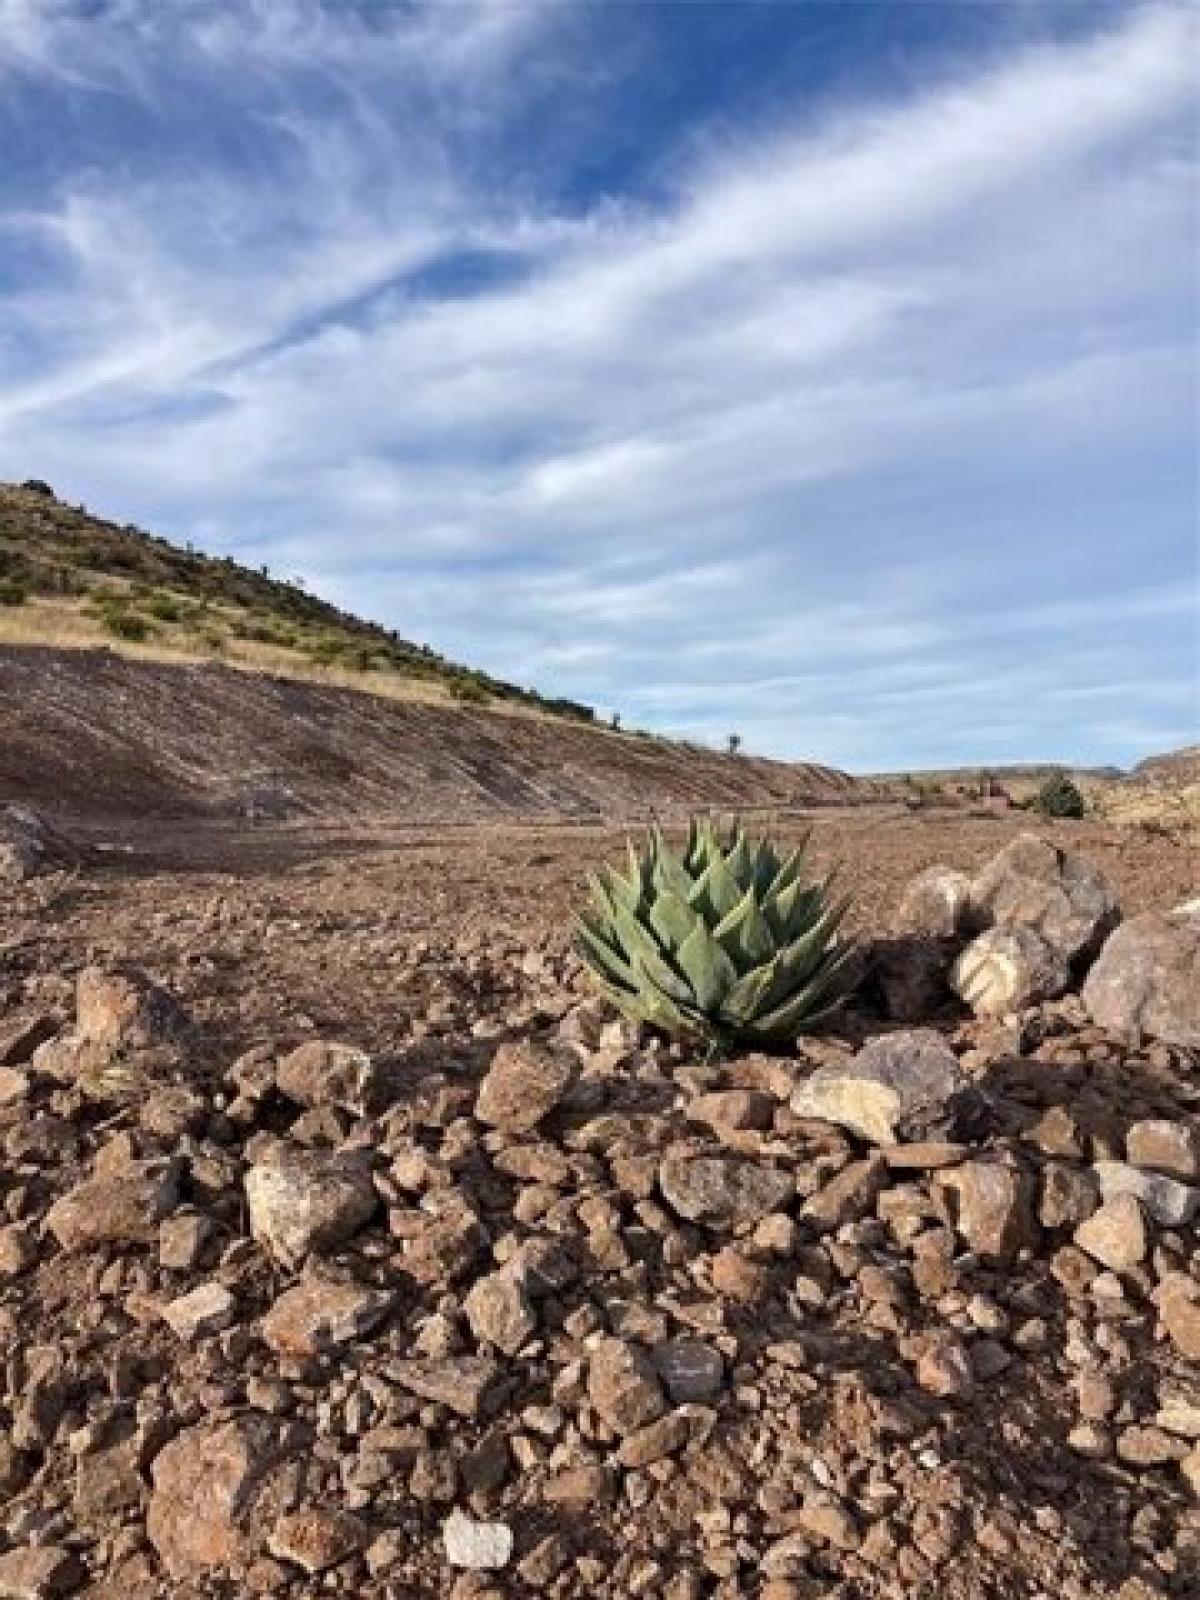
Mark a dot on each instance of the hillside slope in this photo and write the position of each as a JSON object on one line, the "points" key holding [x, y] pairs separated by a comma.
{"points": [[68, 577], [92, 734]]}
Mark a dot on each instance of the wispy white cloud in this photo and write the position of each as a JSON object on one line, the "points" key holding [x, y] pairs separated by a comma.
{"points": [[856, 403]]}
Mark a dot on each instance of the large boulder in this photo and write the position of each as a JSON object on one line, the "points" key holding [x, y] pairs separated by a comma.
{"points": [[935, 904], [1007, 969], [1057, 894], [905, 1085], [1146, 980]]}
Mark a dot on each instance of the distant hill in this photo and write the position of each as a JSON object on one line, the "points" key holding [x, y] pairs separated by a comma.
{"points": [[1173, 766], [68, 578]]}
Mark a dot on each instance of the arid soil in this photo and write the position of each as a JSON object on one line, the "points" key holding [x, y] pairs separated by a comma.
{"points": [[91, 733], [504, 1347]]}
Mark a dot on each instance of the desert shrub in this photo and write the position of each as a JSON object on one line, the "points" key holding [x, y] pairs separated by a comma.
{"points": [[165, 607], [128, 625], [726, 941], [1059, 797], [468, 691], [13, 593], [39, 486]]}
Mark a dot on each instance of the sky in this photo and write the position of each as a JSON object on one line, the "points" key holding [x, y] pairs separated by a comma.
{"points": [[820, 372]]}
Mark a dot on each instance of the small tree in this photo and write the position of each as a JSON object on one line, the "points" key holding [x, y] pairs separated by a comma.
{"points": [[734, 743], [1059, 797]]}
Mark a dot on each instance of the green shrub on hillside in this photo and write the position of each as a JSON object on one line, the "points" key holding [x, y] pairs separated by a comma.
{"points": [[128, 625], [1059, 797], [13, 593]]}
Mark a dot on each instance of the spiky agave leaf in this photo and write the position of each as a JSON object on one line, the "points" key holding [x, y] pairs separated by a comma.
{"points": [[725, 939]]}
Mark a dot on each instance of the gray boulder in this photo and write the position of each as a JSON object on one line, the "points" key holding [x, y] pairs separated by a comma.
{"points": [[1146, 980]]}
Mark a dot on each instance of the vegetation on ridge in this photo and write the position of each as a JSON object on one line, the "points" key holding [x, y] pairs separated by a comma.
{"points": [[92, 580]]}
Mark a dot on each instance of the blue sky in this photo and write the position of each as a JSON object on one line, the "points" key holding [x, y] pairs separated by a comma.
{"points": [[820, 371]]}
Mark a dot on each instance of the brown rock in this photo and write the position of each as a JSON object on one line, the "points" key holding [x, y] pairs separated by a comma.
{"points": [[1162, 1146], [995, 1214], [318, 1539], [849, 1195], [213, 1494], [1178, 1299], [205, 1310], [733, 1109], [1069, 1196], [524, 1084], [500, 1312], [318, 1314], [1115, 1235], [944, 1368], [935, 903], [1007, 969], [322, 1072], [461, 1383], [623, 1386], [738, 1276], [301, 1200], [18, 1251], [120, 1208], [1054, 893], [664, 1437], [39, 1572], [722, 1191]]}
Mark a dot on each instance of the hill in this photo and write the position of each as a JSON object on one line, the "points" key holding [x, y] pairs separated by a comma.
{"points": [[139, 679], [73, 579], [1173, 766], [90, 733]]}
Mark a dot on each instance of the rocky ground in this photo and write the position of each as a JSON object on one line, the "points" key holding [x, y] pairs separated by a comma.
{"points": [[350, 1247]]}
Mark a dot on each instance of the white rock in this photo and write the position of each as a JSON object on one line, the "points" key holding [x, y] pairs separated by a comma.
{"points": [[476, 1546]]}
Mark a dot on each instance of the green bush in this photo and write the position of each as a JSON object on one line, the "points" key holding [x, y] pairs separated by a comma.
{"points": [[165, 607], [13, 593], [128, 625], [1059, 797], [468, 691]]}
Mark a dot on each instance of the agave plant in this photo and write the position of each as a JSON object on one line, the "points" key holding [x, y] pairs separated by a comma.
{"points": [[725, 941]]}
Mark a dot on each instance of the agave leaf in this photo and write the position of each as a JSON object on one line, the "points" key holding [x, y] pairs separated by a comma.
{"points": [[745, 934], [672, 919], [603, 959], [715, 892], [766, 868], [647, 957], [623, 894], [800, 960], [670, 876], [740, 862], [709, 970], [810, 1004], [794, 911], [745, 999], [789, 871]]}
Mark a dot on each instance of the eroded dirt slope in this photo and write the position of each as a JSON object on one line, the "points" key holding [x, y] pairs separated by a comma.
{"points": [[91, 734]]}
